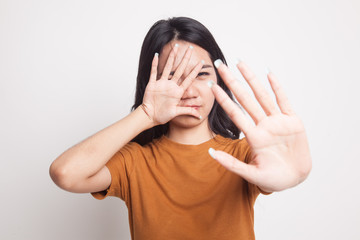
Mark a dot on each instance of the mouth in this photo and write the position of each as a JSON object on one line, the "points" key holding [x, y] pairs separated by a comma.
{"points": [[193, 106]]}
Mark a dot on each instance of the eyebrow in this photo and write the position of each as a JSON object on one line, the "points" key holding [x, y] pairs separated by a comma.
{"points": [[204, 66]]}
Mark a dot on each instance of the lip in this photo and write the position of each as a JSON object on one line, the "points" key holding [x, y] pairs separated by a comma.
{"points": [[192, 105], [196, 107]]}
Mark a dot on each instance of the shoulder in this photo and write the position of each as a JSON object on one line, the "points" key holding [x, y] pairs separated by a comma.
{"points": [[135, 147], [131, 146], [238, 148], [239, 142], [130, 150]]}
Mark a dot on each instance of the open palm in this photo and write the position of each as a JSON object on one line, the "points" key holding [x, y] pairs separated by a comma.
{"points": [[162, 96], [280, 154]]}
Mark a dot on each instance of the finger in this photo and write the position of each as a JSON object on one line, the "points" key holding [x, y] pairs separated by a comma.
{"points": [[233, 110], [154, 65], [244, 98], [191, 77], [187, 111], [281, 97], [259, 90], [169, 62], [181, 68], [246, 171]]}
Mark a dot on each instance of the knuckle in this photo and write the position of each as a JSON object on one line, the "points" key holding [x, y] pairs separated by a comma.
{"points": [[186, 58], [251, 78], [231, 80], [222, 100], [233, 113]]}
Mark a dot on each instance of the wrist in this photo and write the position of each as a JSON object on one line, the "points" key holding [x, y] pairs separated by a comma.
{"points": [[143, 110]]}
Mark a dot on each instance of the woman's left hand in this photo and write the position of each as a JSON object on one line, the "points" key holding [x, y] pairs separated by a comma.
{"points": [[280, 152]]}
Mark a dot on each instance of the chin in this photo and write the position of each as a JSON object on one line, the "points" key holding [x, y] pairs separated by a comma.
{"points": [[186, 121]]}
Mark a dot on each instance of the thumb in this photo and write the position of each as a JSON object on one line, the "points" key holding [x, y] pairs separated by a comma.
{"points": [[246, 171], [187, 111]]}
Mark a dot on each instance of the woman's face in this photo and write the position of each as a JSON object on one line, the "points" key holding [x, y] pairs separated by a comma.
{"points": [[198, 93]]}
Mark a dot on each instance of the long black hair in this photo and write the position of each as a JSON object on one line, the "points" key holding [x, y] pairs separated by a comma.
{"points": [[189, 30]]}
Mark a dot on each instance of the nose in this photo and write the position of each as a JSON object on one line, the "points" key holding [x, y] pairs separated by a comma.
{"points": [[190, 92]]}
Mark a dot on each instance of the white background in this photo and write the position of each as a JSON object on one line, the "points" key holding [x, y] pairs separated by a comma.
{"points": [[68, 69]]}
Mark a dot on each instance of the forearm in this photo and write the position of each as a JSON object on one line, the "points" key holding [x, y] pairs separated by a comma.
{"points": [[89, 156]]}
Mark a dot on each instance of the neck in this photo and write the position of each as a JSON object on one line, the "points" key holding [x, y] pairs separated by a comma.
{"points": [[193, 136]]}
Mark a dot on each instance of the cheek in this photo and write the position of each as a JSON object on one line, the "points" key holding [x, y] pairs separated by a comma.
{"points": [[207, 94], [202, 85]]}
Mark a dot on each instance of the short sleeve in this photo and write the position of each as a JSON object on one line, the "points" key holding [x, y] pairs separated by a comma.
{"points": [[120, 166]]}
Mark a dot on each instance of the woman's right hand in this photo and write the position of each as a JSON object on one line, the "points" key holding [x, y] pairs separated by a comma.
{"points": [[162, 96]]}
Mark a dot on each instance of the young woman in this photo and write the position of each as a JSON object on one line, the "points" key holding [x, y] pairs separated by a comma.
{"points": [[160, 158]]}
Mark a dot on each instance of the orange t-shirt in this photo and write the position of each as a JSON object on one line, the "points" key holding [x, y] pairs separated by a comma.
{"points": [[177, 191]]}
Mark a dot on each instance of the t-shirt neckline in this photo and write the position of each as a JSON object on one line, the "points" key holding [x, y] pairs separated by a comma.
{"points": [[167, 141]]}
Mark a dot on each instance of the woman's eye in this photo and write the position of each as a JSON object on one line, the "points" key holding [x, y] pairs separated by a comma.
{"points": [[203, 74]]}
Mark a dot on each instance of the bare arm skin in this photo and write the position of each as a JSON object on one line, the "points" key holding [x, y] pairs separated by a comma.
{"points": [[82, 168]]}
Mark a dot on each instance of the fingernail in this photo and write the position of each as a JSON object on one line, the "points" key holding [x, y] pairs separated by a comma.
{"points": [[212, 153], [267, 70], [210, 84], [217, 63], [239, 60], [156, 54]]}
